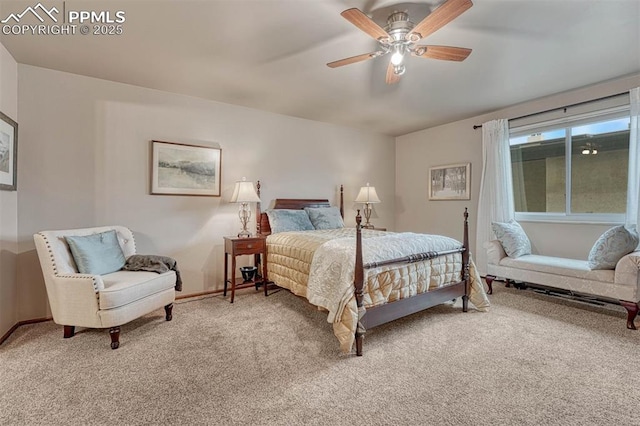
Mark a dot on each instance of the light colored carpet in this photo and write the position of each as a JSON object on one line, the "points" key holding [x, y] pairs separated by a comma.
{"points": [[532, 360]]}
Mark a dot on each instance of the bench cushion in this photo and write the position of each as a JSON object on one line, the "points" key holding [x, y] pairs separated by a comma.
{"points": [[558, 266]]}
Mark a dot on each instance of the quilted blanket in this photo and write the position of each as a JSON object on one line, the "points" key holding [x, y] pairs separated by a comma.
{"points": [[319, 265]]}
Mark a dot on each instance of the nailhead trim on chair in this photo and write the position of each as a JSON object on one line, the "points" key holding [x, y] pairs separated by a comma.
{"points": [[46, 240], [133, 240], [82, 277], [55, 268]]}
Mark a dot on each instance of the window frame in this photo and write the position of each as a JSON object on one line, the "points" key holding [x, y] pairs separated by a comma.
{"points": [[566, 123]]}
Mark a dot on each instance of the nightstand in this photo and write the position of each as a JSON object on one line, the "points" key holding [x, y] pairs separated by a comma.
{"points": [[238, 246]]}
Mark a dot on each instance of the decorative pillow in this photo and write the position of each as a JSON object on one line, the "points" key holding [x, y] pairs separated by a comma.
{"points": [[611, 247], [96, 254], [325, 217], [282, 220], [512, 237]]}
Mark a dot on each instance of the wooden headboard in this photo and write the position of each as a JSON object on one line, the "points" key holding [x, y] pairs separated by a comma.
{"points": [[293, 204]]}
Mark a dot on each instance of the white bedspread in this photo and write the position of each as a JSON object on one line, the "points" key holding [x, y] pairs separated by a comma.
{"points": [[332, 270]]}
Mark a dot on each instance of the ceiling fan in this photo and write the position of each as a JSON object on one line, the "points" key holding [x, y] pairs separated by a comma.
{"points": [[400, 35]]}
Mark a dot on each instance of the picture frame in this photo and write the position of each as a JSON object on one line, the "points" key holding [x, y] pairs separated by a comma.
{"points": [[450, 182], [8, 153], [184, 169]]}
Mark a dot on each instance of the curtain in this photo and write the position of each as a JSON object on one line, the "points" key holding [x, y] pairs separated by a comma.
{"points": [[496, 186], [633, 186]]}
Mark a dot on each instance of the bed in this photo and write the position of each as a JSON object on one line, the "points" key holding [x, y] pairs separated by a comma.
{"points": [[364, 278]]}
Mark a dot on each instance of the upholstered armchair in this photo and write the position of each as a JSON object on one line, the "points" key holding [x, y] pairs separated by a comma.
{"points": [[99, 300]]}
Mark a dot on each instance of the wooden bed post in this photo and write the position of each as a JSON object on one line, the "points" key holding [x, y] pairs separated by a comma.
{"points": [[258, 209], [359, 285], [465, 262]]}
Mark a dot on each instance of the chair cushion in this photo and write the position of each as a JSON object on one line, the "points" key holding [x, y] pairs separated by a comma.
{"points": [[325, 217], [96, 254], [512, 237], [615, 243], [124, 287]]}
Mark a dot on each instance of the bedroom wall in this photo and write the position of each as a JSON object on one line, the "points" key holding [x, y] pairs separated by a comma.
{"points": [[458, 142], [8, 201], [85, 161]]}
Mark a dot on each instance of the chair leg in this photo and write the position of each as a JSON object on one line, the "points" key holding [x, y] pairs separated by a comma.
{"points": [[168, 309], [489, 279], [69, 331], [114, 332], [632, 312]]}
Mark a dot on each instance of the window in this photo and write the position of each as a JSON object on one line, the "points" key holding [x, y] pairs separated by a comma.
{"points": [[572, 171]]}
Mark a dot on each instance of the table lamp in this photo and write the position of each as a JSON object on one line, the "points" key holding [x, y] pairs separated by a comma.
{"points": [[367, 196], [244, 193]]}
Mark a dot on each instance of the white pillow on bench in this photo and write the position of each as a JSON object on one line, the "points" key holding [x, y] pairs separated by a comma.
{"points": [[512, 237], [611, 247]]}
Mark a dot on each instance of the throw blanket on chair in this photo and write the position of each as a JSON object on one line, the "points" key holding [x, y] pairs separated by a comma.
{"points": [[153, 263]]}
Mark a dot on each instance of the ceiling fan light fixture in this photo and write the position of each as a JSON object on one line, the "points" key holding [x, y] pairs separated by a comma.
{"points": [[399, 35], [398, 55]]}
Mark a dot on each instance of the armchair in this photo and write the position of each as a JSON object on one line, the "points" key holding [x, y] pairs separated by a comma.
{"points": [[99, 301]]}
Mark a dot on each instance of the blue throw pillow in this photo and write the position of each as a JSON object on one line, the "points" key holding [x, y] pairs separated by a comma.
{"points": [[282, 220], [325, 217], [611, 247], [512, 237], [96, 254]]}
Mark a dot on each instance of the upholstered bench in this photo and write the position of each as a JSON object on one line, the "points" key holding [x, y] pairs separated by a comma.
{"points": [[620, 285]]}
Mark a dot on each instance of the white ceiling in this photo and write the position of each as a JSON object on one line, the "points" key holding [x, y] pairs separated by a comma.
{"points": [[272, 55]]}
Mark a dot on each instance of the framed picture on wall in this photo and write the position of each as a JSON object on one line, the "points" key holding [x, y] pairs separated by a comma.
{"points": [[451, 182], [182, 169], [8, 153]]}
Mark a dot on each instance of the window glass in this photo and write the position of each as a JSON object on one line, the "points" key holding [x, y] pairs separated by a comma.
{"points": [[538, 169], [592, 180], [599, 167]]}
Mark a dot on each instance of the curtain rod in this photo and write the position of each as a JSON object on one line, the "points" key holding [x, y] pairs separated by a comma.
{"points": [[477, 126]]}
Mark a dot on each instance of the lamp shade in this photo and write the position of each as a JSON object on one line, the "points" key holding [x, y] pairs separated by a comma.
{"points": [[367, 194], [244, 192]]}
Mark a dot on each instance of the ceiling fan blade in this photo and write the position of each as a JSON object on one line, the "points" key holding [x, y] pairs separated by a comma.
{"points": [[446, 53], [392, 77], [362, 21], [440, 17], [353, 59]]}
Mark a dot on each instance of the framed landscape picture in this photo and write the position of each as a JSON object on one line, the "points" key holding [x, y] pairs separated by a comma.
{"points": [[181, 169], [8, 153], [450, 182]]}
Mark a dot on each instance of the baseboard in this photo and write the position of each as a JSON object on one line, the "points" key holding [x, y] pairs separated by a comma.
{"points": [[20, 323], [204, 293], [37, 320]]}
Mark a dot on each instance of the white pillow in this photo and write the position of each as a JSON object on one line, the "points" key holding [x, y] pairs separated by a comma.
{"points": [[611, 247], [512, 237]]}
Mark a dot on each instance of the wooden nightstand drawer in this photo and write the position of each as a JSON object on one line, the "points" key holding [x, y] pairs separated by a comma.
{"points": [[251, 246]]}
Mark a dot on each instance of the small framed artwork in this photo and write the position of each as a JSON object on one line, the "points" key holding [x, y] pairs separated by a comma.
{"points": [[450, 182], [182, 169], [8, 153]]}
